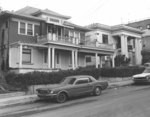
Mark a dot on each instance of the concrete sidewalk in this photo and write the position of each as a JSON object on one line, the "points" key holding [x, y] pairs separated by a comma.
{"points": [[22, 98]]}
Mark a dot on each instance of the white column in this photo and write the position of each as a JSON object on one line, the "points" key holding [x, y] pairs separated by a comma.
{"points": [[73, 65], [76, 59], [49, 57], [138, 48], [53, 57], [124, 45], [20, 56], [100, 61], [96, 58], [113, 61]]}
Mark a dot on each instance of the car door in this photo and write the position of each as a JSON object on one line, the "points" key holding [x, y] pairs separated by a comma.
{"points": [[82, 86]]}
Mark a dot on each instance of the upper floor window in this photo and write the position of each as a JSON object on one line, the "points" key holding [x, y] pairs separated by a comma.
{"points": [[26, 28], [105, 38]]}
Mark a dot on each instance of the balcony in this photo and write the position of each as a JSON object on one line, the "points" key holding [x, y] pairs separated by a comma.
{"points": [[72, 42], [57, 39]]}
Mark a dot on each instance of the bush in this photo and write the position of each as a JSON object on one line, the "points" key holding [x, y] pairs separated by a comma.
{"points": [[36, 78]]}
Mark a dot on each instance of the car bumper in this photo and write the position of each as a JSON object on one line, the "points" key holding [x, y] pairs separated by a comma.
{"points": [[141, 81], [47, 96]]}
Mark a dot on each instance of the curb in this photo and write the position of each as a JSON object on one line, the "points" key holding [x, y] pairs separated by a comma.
{"points": [[32, 98]]}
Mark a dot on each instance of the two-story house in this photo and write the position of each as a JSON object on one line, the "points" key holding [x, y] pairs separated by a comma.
{"points": [[143, 25], [42, 40], [124, 39]]}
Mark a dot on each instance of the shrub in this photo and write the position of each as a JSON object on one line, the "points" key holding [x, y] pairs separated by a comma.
{"points": [[35, 78]]}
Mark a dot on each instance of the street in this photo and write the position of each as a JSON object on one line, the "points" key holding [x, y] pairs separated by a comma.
{"points": [[130, 101]]}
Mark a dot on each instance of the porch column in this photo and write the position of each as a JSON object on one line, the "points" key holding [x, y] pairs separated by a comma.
{"points": [[20, 55], [100, 61], [113, 61], [96, 58], [138, 48], [76, 59], [73, 66], [49, 57], [53, 57], [124, 45]]}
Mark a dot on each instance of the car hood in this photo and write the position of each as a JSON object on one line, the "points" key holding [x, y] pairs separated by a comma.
{"points": [[141, 75]]}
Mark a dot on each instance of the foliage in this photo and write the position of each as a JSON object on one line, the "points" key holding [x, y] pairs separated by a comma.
{"points": [[35, 78], [121, 60]]}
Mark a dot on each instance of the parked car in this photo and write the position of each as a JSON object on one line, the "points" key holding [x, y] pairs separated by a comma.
{"points": [[73, 86], [146, 64], [144, 77]]}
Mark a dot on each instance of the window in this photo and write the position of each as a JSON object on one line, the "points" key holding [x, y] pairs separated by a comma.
{"points": [[26, 56], [82, 81], [26, 28], [30, 29], [22, 28], [105, 38], [88, 59], [45, 56]]}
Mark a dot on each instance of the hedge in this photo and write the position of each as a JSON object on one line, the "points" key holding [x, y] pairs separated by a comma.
{"points": [[35, 78]]}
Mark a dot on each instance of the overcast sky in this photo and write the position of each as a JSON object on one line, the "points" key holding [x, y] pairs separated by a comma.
{"points": [[84, 12]]}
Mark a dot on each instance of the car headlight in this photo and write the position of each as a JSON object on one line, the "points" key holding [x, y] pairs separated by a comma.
{"points": [[147, 77], [52, 91]]}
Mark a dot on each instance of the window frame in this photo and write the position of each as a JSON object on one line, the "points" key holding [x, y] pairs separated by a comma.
{"points": [[26, 28], [104, 39], [29, 53]]}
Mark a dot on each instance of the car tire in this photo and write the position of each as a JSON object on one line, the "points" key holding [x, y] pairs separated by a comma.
{"points": [[61, 98], [97, 91]]}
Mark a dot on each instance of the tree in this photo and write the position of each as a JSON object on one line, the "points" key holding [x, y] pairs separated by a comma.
{"points": [[121, 60]]}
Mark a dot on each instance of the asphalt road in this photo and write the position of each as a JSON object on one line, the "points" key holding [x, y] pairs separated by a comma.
{"points": [[132, 101]]}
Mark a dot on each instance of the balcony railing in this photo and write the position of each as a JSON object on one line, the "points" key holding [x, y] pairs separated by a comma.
{"points": [[58, 39], [72, 41]]}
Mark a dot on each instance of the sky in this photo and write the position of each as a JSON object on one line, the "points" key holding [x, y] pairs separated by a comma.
{"points": [[85, 12]]}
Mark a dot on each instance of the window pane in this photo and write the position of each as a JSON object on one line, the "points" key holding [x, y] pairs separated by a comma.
{"points": [[45, 56], [105, 39], [22, 28], [26, 56], [30, 29]]}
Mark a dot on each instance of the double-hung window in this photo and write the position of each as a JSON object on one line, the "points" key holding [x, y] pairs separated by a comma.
{"points": [[26, 56], [26, 28], [30, 29], [22, 28]]}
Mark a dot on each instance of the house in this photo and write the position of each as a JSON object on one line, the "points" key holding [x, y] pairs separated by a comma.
{"points": [[42, 40], [125, 40], [143, 25]]}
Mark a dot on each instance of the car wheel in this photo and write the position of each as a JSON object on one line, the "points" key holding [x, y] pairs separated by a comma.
{"points": [[97, 91], [61, 97]]}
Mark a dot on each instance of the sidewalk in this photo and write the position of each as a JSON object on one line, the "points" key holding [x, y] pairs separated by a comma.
{"points": [[22, 98]]}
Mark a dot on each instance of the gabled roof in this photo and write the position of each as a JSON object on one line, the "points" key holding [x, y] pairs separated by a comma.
{"points": [[35, 11], [27, 10]]}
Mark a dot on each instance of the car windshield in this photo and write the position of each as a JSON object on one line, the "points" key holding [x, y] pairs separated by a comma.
{"points": [[68, 81], [146, 71]]}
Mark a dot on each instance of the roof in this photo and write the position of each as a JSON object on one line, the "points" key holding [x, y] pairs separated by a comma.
{"points": [[35, 11], [66, 23], [79, 76]]}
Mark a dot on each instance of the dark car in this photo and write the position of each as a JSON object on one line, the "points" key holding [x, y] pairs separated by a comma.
{"points": [[144, 77], [73, 86]]}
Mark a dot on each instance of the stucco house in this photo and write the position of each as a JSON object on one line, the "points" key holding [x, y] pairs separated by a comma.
{"points": [[42, 40], [125, 40], [143, 25]]}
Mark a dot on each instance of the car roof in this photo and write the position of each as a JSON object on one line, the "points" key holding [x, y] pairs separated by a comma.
{"points": [[78, 76]]}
